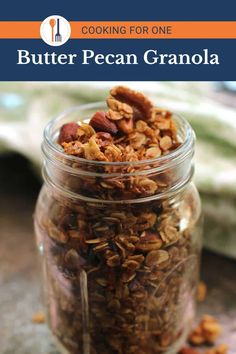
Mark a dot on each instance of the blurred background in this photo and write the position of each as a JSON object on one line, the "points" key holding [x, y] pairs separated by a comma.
{"points": [[25, 108]]}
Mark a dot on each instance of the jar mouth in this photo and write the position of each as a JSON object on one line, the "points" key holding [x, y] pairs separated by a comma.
{"points": [[171, 193], [165, 161]]}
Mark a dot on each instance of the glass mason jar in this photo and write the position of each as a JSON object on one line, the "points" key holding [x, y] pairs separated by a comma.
{"points": [[120, 244]]}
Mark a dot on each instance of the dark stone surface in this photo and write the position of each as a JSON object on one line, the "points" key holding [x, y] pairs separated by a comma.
{"points": [[20, 280]]}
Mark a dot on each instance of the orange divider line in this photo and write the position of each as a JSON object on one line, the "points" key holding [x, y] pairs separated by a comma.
{"points": [[177, 29], [20, 29]]}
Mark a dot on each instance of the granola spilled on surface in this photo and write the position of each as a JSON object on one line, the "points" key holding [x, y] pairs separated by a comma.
{"points": [[201, 291], [121, 277], [204, 335], [38, 317], [132, 129], [206, 332], [220, 349]]}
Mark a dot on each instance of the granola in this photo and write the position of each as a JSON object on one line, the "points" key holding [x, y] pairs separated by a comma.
{"points": [[139, 130], [206, 332], [121, 276], [220, 349], [133, 130], [201, 291], [38, 318]]}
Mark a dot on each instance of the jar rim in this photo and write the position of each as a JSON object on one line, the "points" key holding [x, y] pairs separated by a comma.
{"points": [[167, 194], [164, 160]]}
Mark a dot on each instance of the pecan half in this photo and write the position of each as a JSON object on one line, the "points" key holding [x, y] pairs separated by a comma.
{"points": [[134, 99]]}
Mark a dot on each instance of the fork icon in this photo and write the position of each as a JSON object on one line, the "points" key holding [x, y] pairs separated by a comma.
{"points": [[58, 37]]}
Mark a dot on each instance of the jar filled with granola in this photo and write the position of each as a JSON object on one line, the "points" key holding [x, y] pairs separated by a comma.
{"points": [[118, 226]]}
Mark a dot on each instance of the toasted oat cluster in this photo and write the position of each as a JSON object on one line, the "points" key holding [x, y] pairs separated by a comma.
{"points": [[206, 332], [132, 129]]}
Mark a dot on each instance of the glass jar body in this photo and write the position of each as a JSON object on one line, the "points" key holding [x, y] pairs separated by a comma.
{"points": [[120, 277]]}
